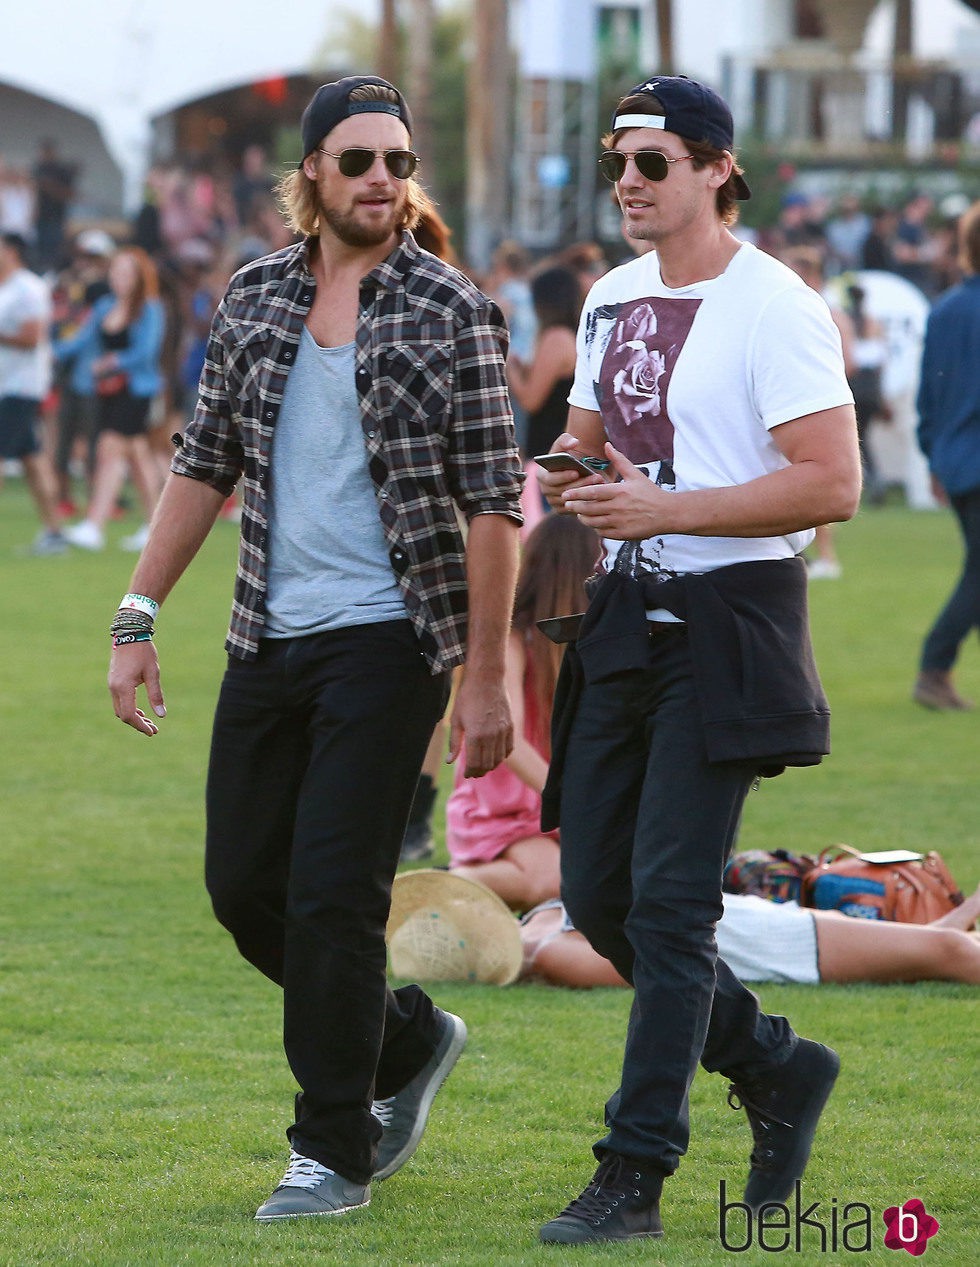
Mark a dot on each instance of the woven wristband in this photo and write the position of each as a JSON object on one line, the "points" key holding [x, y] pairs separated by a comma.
{"points": [[128, 620], [140, 603]]}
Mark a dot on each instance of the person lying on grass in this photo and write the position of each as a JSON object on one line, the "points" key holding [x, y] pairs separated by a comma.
{"points": [[770, 941]]}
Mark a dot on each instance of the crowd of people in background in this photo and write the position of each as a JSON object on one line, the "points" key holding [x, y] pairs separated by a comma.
{"points": [[124, 311], [126, 308]]}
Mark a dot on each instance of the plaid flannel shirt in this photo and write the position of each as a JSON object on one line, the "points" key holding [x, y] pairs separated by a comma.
{"points": [[435, 416]]}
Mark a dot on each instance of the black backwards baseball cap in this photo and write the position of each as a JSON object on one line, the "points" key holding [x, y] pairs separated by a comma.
{"points": [[332, 103], [690, 109]]}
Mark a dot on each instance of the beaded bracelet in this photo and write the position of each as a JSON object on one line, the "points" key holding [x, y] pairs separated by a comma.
{"points": [[129, 621]]}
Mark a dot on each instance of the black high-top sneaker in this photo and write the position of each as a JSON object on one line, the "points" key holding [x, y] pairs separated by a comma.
{"points": [[783, 1108], [622, 1203]]}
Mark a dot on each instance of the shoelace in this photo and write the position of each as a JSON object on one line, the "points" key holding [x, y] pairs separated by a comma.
{"points": [[384, 1110], [303, 1172], [760, 1121], [600, 1199]]}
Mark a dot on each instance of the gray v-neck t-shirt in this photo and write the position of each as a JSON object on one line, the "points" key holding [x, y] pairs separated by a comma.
{"points": [[328, 565]]}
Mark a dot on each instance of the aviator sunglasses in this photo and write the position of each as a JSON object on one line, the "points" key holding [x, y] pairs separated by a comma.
{"points": [[651, 164], [355, 162]]}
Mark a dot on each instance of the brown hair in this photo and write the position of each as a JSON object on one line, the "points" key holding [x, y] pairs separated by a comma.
{"points": [[968, 236], [556, 294], [432, 233], [805, 261], [297, 198], [147, 278], [726, 198], [558, 556]]}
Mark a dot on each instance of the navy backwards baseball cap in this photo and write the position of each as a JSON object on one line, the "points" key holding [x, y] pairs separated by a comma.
{"points": [[332, 103], [690, 109]]}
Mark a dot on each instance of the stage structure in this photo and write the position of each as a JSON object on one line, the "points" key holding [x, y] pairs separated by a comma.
{"points": [[566, 50]]}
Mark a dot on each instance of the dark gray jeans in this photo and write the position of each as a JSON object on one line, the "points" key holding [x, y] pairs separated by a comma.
{"points": [[646, 827]]}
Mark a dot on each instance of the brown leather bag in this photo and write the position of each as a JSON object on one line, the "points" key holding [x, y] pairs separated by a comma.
{"points": [[898, 885]]}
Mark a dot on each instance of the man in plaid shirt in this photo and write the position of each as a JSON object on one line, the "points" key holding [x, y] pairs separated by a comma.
{"points": [[357, 385]]}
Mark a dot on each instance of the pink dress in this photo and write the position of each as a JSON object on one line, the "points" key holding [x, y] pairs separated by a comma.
{"points": [[485, 816]]}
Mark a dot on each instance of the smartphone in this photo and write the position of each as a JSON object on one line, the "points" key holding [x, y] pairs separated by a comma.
{"points": [[561, 628], [569, 462]]}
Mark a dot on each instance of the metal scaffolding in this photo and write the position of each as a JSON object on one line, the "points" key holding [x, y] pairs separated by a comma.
{"points": [[554, 165]]}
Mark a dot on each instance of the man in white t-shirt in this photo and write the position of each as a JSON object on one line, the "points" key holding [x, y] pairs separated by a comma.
{"points": [[25, 376], [711, 380]]}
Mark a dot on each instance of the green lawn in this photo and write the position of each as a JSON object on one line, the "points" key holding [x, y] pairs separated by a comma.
{"points": [[143, 1092]]}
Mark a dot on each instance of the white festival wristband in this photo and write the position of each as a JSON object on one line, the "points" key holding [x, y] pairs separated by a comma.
{"points": [[140, 603]]}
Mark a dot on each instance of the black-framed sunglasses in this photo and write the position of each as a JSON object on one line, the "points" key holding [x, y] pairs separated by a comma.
{"points": [[651, 164], [355, 162]]}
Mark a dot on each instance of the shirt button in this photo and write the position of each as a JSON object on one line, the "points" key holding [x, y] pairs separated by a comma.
{"points": [[287, 356], [270, 413], [372, 435], [305, 299]]}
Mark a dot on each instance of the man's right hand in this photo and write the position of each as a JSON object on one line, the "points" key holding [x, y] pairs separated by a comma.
{"points": [[128, 667], [554, 484]]}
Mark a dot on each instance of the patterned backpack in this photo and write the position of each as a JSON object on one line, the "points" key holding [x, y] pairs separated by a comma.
{"points": [[776, 875]]}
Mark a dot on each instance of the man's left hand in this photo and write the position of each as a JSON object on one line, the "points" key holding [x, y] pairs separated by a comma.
{"points": [[481, 716], [630, 509]]}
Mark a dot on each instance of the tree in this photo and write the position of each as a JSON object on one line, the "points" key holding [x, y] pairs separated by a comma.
{"points": [[418, 71], [386, 59], [664, 16], [488, 131]]}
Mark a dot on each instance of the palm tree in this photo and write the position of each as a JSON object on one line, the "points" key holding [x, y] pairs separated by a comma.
{"points": [[387, 54], [664, 17], [487, 127], [418, 73]]}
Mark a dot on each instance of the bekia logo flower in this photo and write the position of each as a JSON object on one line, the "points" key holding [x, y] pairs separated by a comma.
{"points": [[909, 1227]]}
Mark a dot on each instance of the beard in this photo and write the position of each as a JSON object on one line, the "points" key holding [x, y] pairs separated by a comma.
{"points": [[354, 232]]}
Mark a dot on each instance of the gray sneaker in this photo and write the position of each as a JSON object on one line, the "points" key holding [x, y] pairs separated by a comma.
{"points": [[308, 1189], [49, 542], [405, 1114]]}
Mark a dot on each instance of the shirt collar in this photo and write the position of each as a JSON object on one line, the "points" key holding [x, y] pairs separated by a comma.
{"points": [[389, 274]]}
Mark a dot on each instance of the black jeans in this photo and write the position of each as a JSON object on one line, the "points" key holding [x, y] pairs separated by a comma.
{"points": [[646, 827], [962, 610], [315, 756]]}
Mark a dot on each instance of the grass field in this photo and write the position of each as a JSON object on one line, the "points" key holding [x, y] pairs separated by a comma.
{"points": [[143, 1092]]}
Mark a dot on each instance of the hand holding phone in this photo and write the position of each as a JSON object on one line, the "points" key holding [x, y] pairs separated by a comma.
{"points": [[570, 462]]}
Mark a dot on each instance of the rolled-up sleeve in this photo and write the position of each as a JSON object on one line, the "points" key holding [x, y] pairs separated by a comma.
{"points": [[212, 449], [483, 463]]}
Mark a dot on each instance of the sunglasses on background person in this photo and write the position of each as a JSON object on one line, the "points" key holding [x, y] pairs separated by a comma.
{"points": [[355, 162], [651, 164]]}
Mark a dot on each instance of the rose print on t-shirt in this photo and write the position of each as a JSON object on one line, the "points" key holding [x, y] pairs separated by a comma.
{"points": [[642, 340], [636, 383], [637, 344]]}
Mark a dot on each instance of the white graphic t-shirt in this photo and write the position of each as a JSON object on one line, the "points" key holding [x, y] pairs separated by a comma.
{"points": [[24, 371], [691, 382]]}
